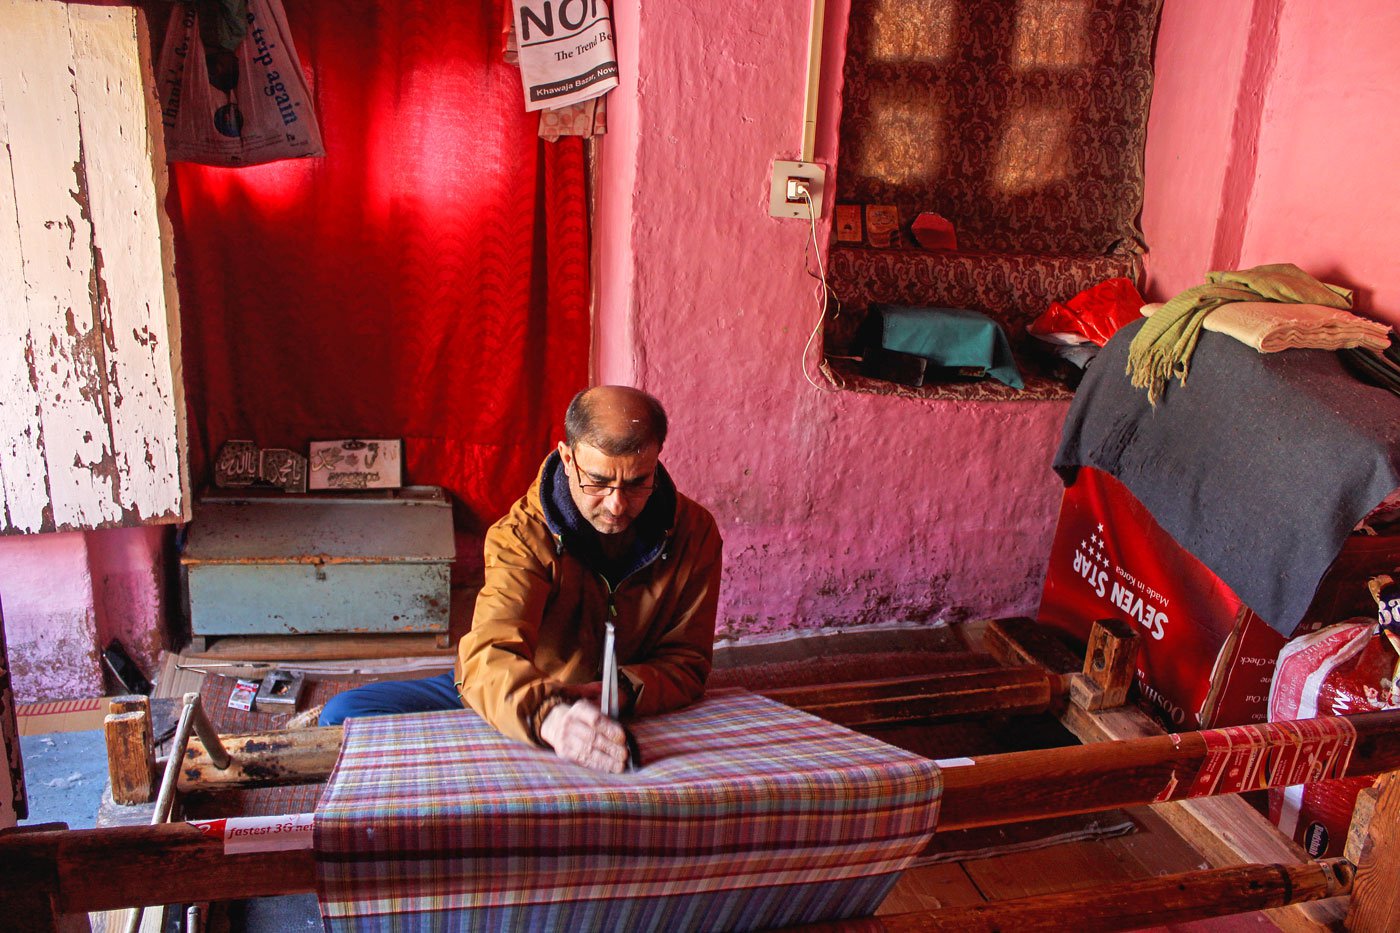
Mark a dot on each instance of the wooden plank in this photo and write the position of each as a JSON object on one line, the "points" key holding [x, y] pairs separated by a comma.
{"points": [[924, 697], [21, 455], [1359, 833], [263, 759], [1023, 641], [106, 869], [131, 276], [323, 647], [1130, 905], [1155, 849], [66, 366], [22, 468], [1024, 874], [174, 679], [1375, 901], [930, 886], [89, 434]]}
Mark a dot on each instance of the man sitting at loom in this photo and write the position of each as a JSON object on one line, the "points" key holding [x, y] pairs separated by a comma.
{"points": [[601, 536]]}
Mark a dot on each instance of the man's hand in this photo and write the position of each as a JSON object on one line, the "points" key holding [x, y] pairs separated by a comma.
{"points": [[581, 733]]}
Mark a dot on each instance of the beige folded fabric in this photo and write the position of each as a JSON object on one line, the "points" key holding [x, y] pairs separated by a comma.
{"points": [[1271, 326]]}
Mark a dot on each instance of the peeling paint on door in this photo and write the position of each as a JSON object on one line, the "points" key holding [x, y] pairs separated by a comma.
{"points": [[91, 434]]}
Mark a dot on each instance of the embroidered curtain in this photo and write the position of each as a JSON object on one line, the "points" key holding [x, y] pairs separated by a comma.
{"points": [[427, 279], [1021, 121]]}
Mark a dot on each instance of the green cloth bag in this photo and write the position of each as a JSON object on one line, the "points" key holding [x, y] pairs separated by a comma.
{"points": [[950, 337]]}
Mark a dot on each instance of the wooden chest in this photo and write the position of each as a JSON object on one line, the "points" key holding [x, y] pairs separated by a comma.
{"points": [[269, 564]]}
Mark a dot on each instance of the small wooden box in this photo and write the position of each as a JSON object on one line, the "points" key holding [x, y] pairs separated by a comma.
{"points": [[260, 563]]}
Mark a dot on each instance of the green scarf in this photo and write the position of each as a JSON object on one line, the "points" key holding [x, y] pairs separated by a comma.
{"points": [[1163, 347]]}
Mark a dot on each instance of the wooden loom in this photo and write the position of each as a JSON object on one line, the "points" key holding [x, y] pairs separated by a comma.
{"points": [[53, 877]]}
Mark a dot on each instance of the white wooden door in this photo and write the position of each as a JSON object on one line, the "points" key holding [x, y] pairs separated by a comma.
{"points": [[91, 405]]}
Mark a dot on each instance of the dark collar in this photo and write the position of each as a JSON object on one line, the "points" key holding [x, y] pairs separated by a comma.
{"points": [[579, 538]]}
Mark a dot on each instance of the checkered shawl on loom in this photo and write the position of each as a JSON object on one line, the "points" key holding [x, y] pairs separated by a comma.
{"points": [[745, 815]]}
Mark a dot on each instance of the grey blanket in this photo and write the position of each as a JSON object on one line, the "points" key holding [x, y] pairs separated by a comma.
{"points": [[1260, 466]]}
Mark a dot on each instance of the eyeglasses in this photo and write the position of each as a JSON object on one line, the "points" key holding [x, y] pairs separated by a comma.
{"points": [[601, 491]]}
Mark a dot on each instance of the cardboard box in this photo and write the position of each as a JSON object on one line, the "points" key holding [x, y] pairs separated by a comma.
{"points": [[1206, 660]]}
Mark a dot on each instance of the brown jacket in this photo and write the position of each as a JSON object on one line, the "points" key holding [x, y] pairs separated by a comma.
{"points": [[538, 626]]}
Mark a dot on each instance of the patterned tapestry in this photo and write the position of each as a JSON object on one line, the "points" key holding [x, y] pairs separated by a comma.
{"points": [[1021, 121]]}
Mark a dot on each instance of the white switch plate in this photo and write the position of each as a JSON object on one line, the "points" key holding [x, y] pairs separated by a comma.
{"points": [[778, 203]]}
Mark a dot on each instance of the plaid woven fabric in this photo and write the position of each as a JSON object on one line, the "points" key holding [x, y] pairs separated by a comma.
{"points": [[745, 815]]}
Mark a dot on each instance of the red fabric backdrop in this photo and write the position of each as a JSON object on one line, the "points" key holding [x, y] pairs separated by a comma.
{"points": [[427, 279]]}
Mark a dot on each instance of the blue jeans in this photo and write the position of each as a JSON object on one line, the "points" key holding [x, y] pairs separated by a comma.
{"points": [[386, 697]]}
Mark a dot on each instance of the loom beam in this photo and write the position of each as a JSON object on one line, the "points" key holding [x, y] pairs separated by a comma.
{"points": [[100, 869]]}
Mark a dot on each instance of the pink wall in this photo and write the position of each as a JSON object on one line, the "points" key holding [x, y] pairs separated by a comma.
{"points": [[127, 567], [64, 596], [1279, 149], [50, 624], [1270, 139], [837, 509]]}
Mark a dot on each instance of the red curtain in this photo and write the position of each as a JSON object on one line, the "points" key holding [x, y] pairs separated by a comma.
{"points": [[427, 279]]}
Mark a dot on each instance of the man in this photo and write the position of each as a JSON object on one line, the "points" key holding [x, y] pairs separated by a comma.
{"points": [[602, 536]]}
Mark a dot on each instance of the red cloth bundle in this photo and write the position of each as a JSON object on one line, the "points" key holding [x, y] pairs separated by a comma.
{"points": [[1096, 313]]}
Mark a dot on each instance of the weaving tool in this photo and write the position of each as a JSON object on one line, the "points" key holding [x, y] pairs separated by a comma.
{"points": [[608, 700]]}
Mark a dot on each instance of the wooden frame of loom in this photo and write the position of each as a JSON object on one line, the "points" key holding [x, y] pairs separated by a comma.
{"points": [[52, 877]]}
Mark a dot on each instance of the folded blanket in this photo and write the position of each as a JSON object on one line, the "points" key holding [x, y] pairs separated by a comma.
{"points": [[950, 338], [1271, 326], [1163, 347]]}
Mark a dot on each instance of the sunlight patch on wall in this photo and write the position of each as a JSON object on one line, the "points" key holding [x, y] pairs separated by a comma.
{"points": [[905, 144], [1033, 151], [1052, 34], [904, 32]]}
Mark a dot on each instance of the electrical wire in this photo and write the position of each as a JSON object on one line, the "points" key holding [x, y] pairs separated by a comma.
{"points": [[826, 290]]}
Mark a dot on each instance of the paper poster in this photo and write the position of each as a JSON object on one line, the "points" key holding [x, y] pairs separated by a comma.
{"points": [[566, 51]]}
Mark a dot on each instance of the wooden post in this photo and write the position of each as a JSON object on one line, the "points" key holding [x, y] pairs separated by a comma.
{"points": [[1375, 897], [261, 759], [208, 735], [31, 890], [131, 761], [1109, 666], [1359, 832]]}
